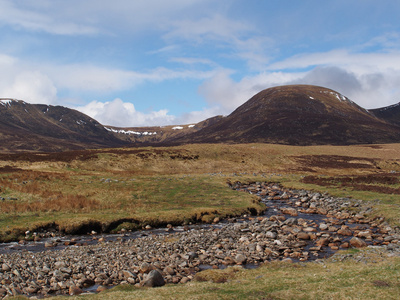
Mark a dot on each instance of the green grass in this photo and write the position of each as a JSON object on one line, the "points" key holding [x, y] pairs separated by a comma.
{"points": [[84, 199]]}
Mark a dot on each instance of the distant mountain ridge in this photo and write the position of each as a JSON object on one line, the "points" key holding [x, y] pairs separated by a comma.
{"points": [[293, 114], [39, 127]]}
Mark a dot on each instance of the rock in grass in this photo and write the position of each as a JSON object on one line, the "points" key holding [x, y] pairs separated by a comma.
{"points": [[154, 279]]}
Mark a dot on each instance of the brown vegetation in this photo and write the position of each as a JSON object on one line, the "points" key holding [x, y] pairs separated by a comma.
{"points": [[380, 183]]}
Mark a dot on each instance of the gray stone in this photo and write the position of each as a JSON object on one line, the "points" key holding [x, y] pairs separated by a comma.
{"points": [[240, 259], [5, 267], [154, 279]]}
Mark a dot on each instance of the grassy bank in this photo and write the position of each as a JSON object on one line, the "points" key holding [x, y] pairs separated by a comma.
{"points": [[79, 203]]}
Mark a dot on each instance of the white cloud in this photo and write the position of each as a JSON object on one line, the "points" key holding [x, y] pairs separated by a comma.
{"points": [[332, 77], [124, 114], [221, 90], [198, 116], [92, 17], [355, 62], [224, 34], [214, 28], [86, 77], [193, 61], [20, 78], [41, 16], [97, 78], [33, 87], [6, 60]]}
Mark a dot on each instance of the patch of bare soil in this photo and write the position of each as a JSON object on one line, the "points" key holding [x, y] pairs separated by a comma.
{"points": [[67, 156], [9, 169], [335, 162], [374, 182]]}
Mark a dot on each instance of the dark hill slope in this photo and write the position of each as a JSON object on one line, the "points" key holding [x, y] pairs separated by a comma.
{"points": [[40, 127], [390, 113], [298, 115]]}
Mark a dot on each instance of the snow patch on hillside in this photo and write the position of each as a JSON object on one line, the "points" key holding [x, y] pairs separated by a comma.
{"points": [[130, 131], [6, 102], [177, 128], [340, 97]]}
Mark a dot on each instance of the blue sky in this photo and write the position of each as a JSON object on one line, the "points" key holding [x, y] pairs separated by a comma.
{"points": [[157, 62]]}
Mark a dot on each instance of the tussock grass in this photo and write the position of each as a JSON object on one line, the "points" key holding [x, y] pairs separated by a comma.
{"points": [[81, 201]]}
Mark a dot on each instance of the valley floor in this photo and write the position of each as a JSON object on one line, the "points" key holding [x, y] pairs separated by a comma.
{"points": [[118, 190]]}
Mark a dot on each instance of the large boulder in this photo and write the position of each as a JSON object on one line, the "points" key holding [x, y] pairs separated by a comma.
{"points": [[154, 279]]}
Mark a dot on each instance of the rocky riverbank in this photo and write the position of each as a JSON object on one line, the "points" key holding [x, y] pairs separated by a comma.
{"points": [[297, 226]]}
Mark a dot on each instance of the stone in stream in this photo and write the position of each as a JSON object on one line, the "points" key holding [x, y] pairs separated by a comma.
{"points": [[192, 255], [145, 267], [74, 290], [365, 234], [358, 243], [169, 270], [322, 242], [101, 288], [5, 267], [289, 211], [240, 259], [344, 230], [31, 289], [303, 235], [154, 279], [128, 274], [49, 244]]}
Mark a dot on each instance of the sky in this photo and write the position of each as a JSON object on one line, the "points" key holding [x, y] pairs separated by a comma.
{"points": [[137, 63]]}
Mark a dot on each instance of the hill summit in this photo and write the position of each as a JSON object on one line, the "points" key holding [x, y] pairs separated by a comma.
{"points": [[299, 115]]}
